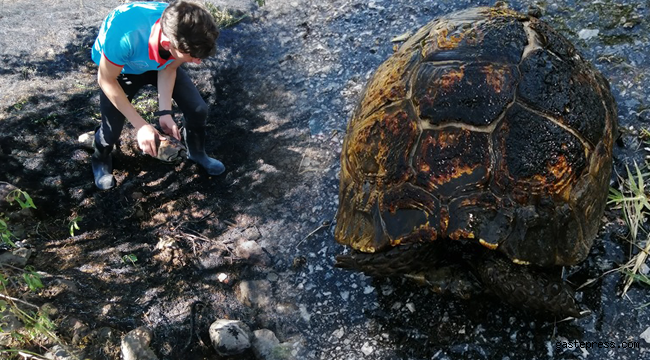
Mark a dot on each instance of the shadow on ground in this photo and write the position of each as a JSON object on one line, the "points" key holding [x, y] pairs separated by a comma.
{"points": [[152, 202]]}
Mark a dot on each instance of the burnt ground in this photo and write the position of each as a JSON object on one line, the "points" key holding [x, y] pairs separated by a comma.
{"points": [[280, 92]]}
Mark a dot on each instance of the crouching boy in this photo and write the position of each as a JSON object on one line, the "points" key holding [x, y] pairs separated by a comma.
{"points": [[145, 43]]}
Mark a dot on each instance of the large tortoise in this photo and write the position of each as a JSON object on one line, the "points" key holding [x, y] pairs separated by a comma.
{"points": [[480, 150]]}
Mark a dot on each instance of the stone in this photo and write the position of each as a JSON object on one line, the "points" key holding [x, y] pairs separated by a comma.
{"points": [[13, 260], [135, 345], [86, 139], [252, 251], [272, 277], [263, 343], [5, 190], [646, 335], [58, 352], [23, 253], [255, 293], [50, 310], [367, 349], [586, 34], [230, 337], [66, 285], [9, 322], [75, 329], [252, 233]]}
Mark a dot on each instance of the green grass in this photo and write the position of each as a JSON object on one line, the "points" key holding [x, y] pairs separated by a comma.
{"points": [[37, 328], [224, 18], [633, 200]]}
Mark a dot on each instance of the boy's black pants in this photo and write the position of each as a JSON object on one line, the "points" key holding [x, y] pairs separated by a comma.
{"points": [[185, 94]]}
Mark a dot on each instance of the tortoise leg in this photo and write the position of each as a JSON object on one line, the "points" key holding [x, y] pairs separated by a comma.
{"points": [[525, 287], [396, 261], [424, 264], [450, 279]]}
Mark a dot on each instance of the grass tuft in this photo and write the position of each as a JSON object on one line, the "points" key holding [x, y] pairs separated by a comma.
{"points": [[633, 200], [225, 18]]}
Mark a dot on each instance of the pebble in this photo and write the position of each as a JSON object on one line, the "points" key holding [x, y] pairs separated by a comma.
{"points": [[646, 335], [58, 352], [252, 233], [230, 337], [264, 342], [9, 322], [66, 285], [251, 250], [5, 190], [645, 269], [366, 349], [255, 293], [135, 345], [304, 313], [386, 290], [75, 329], [411, 307], [87, 138], [15, 258], [586, 34]]}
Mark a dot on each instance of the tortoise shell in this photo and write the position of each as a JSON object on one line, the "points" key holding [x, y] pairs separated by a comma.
{"points": [[485, 127], [171, 150]]}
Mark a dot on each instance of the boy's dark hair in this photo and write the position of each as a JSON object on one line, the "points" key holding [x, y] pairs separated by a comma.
{"points": [[190, 28]]}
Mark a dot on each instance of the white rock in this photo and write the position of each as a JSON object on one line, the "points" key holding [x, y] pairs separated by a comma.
{"points": [[230, 337], [366, 349], [222, 277], [135, 345], [586, 34], [87, 138], [645, 269], [646, 335]]}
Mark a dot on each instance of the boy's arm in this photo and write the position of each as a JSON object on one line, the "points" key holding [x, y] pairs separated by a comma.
{"points": [[107, 79], [166, 81]]}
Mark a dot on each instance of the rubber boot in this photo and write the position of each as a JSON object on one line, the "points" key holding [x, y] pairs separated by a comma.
{"points": [[102, 163], [195, 142]]}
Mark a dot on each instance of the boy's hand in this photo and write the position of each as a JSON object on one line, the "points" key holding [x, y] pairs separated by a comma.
{"points": [[169, 127], [148, 138]]}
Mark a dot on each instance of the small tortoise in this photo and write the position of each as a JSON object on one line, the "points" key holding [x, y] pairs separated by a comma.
{"points": [[481, 150], [171, 150]]}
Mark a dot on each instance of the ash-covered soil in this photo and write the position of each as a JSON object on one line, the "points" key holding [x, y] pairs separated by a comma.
{"points": [[280, 92]]}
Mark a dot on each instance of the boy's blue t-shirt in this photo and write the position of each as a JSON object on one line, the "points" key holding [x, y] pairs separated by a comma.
{"points": [[127, 38]]}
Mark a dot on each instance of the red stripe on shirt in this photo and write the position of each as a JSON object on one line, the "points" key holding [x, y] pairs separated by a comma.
{"points": [[109, 60]]}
